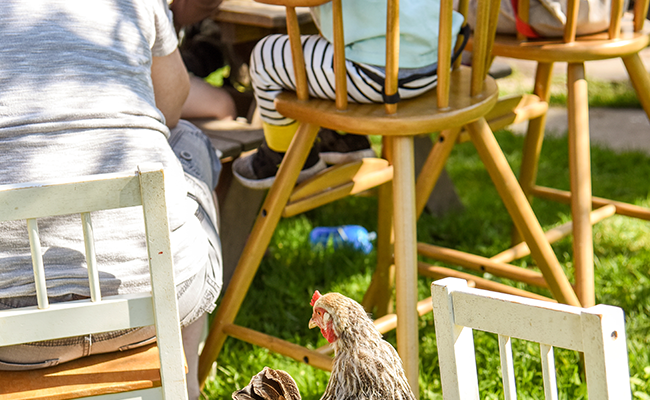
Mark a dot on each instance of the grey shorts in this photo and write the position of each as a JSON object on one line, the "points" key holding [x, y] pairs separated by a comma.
{"points": [[196, 296]]}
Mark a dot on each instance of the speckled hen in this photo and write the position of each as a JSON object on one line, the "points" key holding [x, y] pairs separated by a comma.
{"points": [[366, 367]]}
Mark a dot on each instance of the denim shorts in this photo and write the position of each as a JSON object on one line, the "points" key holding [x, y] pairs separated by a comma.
{"points": [[196, 295], [202, 167]]}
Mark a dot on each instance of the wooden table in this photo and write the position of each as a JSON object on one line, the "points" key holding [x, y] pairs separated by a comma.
{"points": [[246, 20]]}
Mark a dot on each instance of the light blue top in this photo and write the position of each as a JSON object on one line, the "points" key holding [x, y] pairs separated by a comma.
{"points": [[364, 23]]}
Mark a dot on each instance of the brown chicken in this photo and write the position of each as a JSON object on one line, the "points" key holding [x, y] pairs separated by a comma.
{"points": [[269, 384], [365, 367]]}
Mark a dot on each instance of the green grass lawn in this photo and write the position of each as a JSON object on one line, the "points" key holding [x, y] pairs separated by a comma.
{"points": [[278, 302]]}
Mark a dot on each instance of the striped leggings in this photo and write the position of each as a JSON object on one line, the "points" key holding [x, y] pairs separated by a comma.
{"points": [[271, 70]]}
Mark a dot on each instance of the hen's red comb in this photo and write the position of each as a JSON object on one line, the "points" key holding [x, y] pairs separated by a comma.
{"points": [[315, 297]]}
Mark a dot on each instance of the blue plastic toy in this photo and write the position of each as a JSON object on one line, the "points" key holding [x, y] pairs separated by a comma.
{"points": [[352, 235]]}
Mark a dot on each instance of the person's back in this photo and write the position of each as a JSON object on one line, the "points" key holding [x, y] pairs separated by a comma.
{"points": [[77, 98]]}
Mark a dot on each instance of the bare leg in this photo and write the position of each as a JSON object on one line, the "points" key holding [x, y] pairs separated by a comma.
{"points": [[191, 340]]}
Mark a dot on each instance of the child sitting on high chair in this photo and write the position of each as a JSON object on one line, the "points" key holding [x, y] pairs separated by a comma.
{"points": [[271, 70]]}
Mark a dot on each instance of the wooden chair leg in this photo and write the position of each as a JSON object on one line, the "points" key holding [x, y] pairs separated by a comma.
{"points": [[534, 137], [406, 257], [535, 133], [378, 297], [433, 167], [640, 79], [520, 211], [256, 245], [580, 178]]}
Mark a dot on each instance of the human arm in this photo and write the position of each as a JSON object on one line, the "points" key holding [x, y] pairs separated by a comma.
{"points": [[207, 101], [171, 85], [190, 11]]}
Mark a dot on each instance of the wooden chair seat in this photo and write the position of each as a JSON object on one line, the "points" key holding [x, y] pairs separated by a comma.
{"points": [[414, 116], [88, 376], [586, 48]]}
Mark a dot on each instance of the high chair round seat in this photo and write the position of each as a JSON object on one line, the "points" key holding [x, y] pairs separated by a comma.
{"points": [[586, 48], [414, 116]]}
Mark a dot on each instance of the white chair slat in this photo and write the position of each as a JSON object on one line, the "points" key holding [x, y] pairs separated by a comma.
{"points": [[507, 368], [91, 258], [37, 263], [35, 200], [606, 362], [162, 282], [456, 347], [548, 371], [515, 319], [75, 318]]}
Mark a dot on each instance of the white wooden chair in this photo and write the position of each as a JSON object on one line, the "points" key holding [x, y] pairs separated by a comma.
{"points": [[145, 372], [598, 332]]}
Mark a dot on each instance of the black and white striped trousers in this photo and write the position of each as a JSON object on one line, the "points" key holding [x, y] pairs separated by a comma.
{"points": [[271, 70]]}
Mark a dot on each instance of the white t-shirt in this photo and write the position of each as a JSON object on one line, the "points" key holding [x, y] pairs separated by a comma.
{"points": [[76, 98]]}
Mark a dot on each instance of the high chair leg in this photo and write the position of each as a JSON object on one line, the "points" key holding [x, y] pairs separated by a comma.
{"points": [[534, 137], [535, 133], [580, 178], [520, 211], [256, 244], [433, 167], [406, 296], [640, 79], [378, 297]]}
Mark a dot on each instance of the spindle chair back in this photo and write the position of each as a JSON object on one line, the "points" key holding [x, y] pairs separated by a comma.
{"points": [[597, 332]]}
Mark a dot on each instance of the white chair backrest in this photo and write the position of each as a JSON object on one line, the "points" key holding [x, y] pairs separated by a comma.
{"points": [[159, 307], [598, 332]]}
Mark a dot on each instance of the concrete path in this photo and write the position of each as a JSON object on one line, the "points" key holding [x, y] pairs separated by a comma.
{"points": [[619, 129]]}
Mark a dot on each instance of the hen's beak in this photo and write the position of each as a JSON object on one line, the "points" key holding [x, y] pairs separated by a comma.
{"points": [[312, 323]]}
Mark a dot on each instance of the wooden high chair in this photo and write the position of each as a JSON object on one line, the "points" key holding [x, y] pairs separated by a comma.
{"points": [[463, 96], [140, 373], [624, 39], [597, 332]]}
